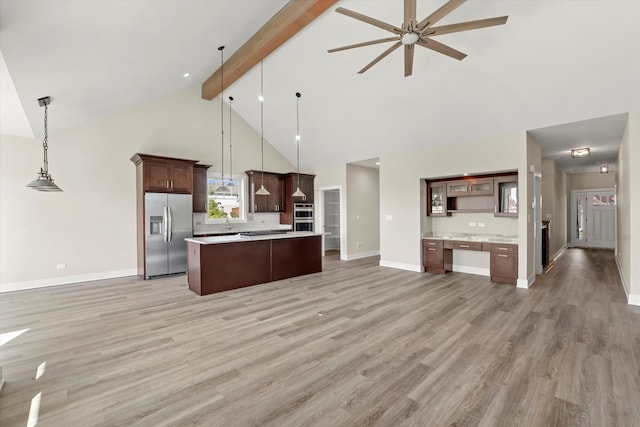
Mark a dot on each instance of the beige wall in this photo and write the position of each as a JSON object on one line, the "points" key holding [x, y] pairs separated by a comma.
{"points": [[402, 206], [591, 180], [628, 208], [534, 160], [333, 177], [554, 204], [90, 227], [363, 214]]}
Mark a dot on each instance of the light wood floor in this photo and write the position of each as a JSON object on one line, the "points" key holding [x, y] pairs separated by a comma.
{"points": [[355, 345]]}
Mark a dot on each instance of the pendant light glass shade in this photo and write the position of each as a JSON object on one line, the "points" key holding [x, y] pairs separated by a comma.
{"points": [[298, 193], [221, 188], [44, 181], [262, 191]]}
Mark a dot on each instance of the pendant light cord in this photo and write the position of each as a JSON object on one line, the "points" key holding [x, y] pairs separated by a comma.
{"points": [[298, 134], [45, 143], [230, 146], [221, 49], [262, 121]]}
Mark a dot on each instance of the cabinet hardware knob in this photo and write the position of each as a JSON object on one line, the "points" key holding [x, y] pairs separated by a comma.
{"points": [[502, 249], [503, 256], [431, 249], [464, 246]]}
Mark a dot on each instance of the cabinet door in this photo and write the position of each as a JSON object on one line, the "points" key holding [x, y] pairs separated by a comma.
{"points": [[436, 199], [275, 185], [506, 196], [306, 186], [457, 188], [481, 187], [181, 178], [504, 267], [200, 188], [433, 256], [156, 177]]}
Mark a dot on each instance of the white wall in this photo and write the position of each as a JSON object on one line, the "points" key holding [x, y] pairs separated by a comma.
{"points": [[363, 214], [534, 160], [90, 226], [591, 180], [628, 209], [402, 201], [554, 204]]}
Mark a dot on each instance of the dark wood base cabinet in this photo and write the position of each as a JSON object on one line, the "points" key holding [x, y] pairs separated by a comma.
{"points": [[504, 263], [224, 266], [433, 256]]}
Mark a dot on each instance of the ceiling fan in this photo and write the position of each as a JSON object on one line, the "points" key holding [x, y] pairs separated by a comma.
{"points": [[414, 33]]}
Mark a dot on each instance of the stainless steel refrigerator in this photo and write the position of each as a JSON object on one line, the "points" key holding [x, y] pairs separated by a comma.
{"points": [[168, 221]]}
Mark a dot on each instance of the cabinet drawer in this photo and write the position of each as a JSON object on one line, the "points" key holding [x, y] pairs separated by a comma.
{"points": [[428, 243], [502, 248], [467, 246]]}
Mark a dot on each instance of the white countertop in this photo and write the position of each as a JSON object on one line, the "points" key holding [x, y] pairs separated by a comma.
{"points": [[468, 237], [238, 238]]}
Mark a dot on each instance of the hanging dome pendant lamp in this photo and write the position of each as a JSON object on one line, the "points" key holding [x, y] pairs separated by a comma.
{"points": [[298, 193], [222, 188], [262, 191], [44, 181]]}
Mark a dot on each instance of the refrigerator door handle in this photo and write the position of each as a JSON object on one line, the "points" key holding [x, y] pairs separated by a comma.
{"points": [[169, 227], [165, 219]]}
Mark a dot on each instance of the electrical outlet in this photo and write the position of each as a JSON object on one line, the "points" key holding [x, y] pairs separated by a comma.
{"points": [[359, 245], [472, 224], [61, 266], [481, 224], [357, 216], [389, 217]]}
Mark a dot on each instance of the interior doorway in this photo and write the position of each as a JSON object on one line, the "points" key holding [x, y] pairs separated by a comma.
{"points": [[593, 218], [331, 221]]}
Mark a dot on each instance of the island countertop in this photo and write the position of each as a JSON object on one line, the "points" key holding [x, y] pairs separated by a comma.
{"points": [[233, 238]]}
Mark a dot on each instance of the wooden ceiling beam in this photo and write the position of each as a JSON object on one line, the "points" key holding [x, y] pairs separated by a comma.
{"points": [[293, 17]]}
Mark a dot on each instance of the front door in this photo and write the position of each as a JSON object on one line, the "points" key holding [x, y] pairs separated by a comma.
{"points": [[593, 217]]}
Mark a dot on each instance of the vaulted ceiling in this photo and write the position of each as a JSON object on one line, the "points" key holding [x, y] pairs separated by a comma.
{"points": [[554, 62]]}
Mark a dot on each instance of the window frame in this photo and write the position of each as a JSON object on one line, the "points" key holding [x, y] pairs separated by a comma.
{"points": [[243, 182]]}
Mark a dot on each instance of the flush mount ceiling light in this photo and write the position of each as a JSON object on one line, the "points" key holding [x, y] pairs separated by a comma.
{"points": [[604, 168], [262, 191], [222, 188], [44, 181], [580, 152], [298, 193]]}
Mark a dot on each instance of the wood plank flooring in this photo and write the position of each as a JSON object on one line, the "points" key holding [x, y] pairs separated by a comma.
{"points": [[355, 345]]}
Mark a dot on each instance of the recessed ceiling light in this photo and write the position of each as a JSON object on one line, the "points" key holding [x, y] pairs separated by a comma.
{"points": [[377, 163], [185, 75], [466, 174], [580, 152], [604, 169]]}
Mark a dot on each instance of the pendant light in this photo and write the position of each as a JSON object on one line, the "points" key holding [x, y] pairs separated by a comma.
{"points": [[298, 193], [262, 191], [44, 181], [230, 184], [222, 188]]}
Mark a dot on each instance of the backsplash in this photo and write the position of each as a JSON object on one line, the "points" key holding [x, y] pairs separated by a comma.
{"points": [[255, 221], [475, 223]]}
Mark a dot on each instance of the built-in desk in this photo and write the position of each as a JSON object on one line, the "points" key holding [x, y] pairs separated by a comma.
{"points": [[437, 253]]}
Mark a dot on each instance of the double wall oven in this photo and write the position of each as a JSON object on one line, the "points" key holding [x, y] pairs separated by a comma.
{"points": [[303, 217]]}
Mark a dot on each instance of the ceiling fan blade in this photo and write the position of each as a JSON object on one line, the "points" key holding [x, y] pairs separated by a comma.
{"points": [[408, 59], [351, 46], [441, 48], [369, 20], [380, 57], [446, 9], [409, 15], [465, 26]]}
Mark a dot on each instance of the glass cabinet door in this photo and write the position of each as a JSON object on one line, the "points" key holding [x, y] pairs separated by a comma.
{"points": [[436, 197], [457, 188]]}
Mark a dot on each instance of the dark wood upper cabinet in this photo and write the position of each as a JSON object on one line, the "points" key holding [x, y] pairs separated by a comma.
{"points": [[495, 193], [274, 183], [164, 174], [200, 188]]}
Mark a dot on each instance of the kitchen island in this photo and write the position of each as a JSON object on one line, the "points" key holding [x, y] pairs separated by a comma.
{"points": [[222, 263]]}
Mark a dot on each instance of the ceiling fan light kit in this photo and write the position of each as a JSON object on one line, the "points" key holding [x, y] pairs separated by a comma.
{"points": [[419, 33]]}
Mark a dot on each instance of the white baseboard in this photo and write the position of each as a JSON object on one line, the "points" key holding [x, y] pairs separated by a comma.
{"points": [[558, 253], [471, 270], [360, 255], [526, 283], [65, 280], [401, 266], [632, 299]]}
